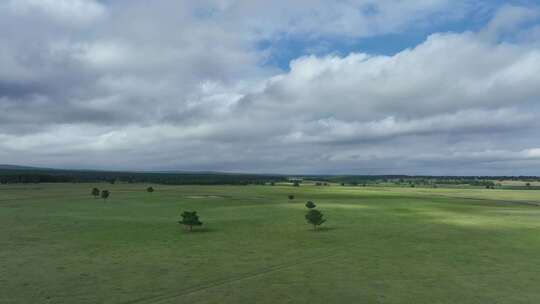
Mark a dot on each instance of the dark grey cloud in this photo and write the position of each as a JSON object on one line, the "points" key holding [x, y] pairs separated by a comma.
{"points": [[183, 85]]}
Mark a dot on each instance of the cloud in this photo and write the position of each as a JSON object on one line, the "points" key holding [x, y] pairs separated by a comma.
{"points": [[64, 11], [445, 73], [117, 89], [509, 19], [360, 18], [331, 130]]}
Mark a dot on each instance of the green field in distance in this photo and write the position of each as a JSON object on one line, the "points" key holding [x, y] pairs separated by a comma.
{"points": [[58, 244]]}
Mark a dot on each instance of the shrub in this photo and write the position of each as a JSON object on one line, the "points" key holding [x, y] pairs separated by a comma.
{"points": [[95, 192], [190, 219], [105, 194], [310, 205], [315, 218]]}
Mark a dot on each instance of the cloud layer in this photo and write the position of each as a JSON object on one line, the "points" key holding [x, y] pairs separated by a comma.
{"points": [[184, 85]]}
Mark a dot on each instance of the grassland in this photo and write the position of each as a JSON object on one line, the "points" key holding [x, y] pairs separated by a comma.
{"points": [[380, 245]]}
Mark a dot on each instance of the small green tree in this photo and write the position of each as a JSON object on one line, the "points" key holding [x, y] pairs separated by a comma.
{"points": [[149, 189], [95, 192], [291, 197], [190, 219], [315, 218], [310, 205], [105, 194], [296, 184]]}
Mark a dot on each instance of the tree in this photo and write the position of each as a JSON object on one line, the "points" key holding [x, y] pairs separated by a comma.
{"points": [[150, 189], [105, 194], [528, 184], [310, 205], [291, 197], [296, 184], [272, 184], [190, 219], [95, 192], [315, 218]]}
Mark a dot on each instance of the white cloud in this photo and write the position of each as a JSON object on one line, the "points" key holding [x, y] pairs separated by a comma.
{"points": [[469, 121], [351, 18], [179, 84], [446, 73], [508, 20], [532, 153], [70, 11]]}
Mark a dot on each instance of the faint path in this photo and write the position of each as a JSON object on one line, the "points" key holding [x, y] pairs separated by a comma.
{"points": [[170, 296], [225, 281]]}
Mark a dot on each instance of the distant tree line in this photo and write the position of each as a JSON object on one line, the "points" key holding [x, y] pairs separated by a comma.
{"points": [[412, 181], [68, 176], [12, 176]]}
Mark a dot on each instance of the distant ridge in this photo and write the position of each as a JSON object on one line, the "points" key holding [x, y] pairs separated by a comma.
{"points": [[209, 172], [30, 168], [16, 167], [75, 171], [27, 174]]}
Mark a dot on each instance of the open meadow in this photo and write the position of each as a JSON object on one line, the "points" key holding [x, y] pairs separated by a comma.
{"points": [[58, 244]]}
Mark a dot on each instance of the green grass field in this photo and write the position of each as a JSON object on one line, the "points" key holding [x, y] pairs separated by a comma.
{"points": [[380, 245]]}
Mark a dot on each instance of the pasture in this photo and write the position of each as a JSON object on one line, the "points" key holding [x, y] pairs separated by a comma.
{"points": [[58, 244]]}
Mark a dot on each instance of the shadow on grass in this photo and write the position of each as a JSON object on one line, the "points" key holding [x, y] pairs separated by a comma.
{"points": [[198, 230], [323, 229]]}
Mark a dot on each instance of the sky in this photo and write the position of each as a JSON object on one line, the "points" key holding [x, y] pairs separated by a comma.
{"points": [[429, 87]]}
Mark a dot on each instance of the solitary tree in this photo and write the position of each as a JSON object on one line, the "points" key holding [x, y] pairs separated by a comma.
{"points": [[190, 219], [310, 205], [291, 197], [150, 189], [315, 218], [528, 184], [296, 184], [95, 192], [105, 194]]}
